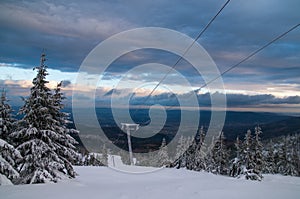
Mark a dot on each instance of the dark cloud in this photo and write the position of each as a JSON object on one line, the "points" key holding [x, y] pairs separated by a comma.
{"points": [[136, 58], [233, 100], [287, 100], [69, 30], [110, 92], [66, 83]]}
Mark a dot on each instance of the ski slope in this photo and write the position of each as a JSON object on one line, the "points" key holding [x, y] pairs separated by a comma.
{"points": [[106, 183], [115, 163]]}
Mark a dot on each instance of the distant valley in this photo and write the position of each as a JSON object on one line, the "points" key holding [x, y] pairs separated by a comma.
{"points": [[236, 124]]}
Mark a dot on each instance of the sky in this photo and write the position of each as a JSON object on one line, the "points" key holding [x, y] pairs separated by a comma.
{"points": [[69, 30]]}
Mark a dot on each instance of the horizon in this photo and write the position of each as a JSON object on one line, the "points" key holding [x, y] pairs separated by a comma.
{"points": [[68, 109]]}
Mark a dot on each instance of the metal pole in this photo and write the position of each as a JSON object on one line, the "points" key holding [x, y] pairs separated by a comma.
{"points": [[129, 145], [128, 127]]}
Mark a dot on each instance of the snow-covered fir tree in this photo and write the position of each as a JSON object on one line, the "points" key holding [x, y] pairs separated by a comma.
{"points": [[293, 157], [41, 136], [282, 155], [181, 151], [209, 156], [250, 168], [162, 158], [292, 165], [191, 155], [179, 158], [92, 159], [200, 153], [9, 159], [270, 165], [288, 159], [251, 158], [196, 152], [65, 145], [247, 150], [104, 157], [235, 166], [6, 119], [9, 156], [125, 157], [145, 159], [258, 152], [219, 156]]}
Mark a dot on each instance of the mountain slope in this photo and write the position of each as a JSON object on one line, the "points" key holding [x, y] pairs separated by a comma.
{"points": [[283, 127]]}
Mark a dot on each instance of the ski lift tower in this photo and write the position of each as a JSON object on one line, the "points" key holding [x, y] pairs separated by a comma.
{"points": [[130, 127]]}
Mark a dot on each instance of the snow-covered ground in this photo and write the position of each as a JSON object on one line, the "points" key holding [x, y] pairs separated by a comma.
{"points": [[115, 162], [104, 182]]}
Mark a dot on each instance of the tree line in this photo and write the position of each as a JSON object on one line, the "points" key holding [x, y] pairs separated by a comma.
{"points": [[248, 158]]}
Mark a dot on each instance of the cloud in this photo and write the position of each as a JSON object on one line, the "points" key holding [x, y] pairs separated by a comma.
{"points": [[110, 92], [65, 30], [233, 100], [70, 30], [287, 100], [66, 83], [62, 19]]}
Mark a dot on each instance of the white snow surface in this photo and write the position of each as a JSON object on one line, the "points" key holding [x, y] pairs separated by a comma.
{"points": [[4, 180], [115, 163], [104, 182]]}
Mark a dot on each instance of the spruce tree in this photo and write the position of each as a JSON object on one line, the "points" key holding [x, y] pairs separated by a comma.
{"points": [[258, 152], [41, 137], [220, 156], [292, 163], [104, 157], [9, 156], [191, 155], [9, 159], [162, 158], [251, 170], [200, 153], [290, 159], [281, 156], [65, 144], [270, 165], [6, 120], [181, 152], [92, 159], [247, 155], [210, 165], [236, 167], [124, 157]]}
